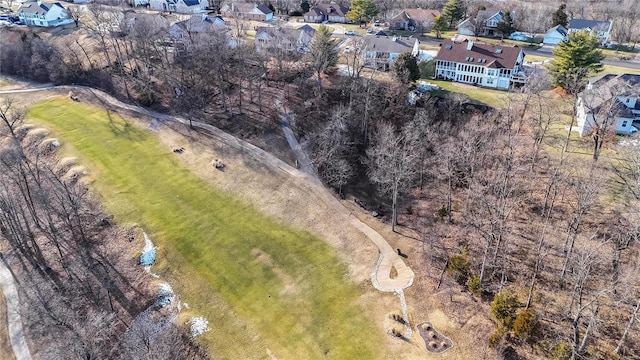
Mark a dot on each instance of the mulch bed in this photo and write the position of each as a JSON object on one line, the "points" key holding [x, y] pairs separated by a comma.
{"points": [[433, 340]]}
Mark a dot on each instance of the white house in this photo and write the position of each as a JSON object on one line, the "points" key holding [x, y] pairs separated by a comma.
{"points": [[180, 6], [286, 39], [612, 101], [327, 12], [601, 28], [554, 35], [493, 66], [484, 23], [380, 52], [247, 10], [43, 14]]}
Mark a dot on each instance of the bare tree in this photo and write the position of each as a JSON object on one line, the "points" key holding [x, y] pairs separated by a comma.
{"points": [[392, 163]]}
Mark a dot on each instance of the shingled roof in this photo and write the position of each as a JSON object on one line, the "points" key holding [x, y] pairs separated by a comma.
{"points": [[578, 24], [32, 7], [328, 9], [422, 14], [493, 56], [385, 44]]}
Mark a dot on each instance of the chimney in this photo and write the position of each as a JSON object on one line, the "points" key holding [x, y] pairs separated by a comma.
{"points": [[469, 45]]}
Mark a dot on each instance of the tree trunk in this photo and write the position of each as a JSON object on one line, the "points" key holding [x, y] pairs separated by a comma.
{"points": [[626, 330]]}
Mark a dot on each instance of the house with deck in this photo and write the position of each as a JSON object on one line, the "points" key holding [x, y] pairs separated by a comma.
{"points": [[612, 101], [246, 11], [285, 39], [380, 52], [38, 13], [180, 6], [487, 65]]}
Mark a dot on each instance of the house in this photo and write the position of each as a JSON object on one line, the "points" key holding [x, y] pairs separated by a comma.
{"points": [[185, 31], [327, 12], [43, 14], [284, 39], [484, 23], [554, 35], [380, 52], [180, 6], [493, 66], [601, 28], [414, 19], [613, 100], [247, 10]]}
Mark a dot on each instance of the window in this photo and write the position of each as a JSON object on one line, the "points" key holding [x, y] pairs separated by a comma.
{"points": [[624, 123], [448, 47], [498, 51]]}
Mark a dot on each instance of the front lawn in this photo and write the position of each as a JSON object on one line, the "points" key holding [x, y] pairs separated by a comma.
{"points": [[263, 286]]}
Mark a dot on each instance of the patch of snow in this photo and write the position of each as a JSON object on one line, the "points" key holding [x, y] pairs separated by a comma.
{"points": [[630, 143], [148, 256], [165, 295], [199, 326], [55, 143], [186, 306]]}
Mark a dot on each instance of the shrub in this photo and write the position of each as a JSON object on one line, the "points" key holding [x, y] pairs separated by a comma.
{"points": [[427, 69], [494, 339], [474, 286], [148, 97], [504, 307], [526, 326], [562, 351], [460, 268]]}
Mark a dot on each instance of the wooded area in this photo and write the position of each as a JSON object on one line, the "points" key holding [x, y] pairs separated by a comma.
{"points": [[499, 198]]}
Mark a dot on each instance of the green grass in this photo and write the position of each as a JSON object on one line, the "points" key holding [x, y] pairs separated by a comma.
{"points": [[207, 243], [491, 97]]}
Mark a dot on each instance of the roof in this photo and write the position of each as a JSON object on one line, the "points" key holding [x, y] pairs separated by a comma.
{"points": [[389, 44], [264, 9], [32, 7], [493, 56], [191, 2], [422, 14], [579, 24], [607, 87], [400, 17], [245, 7], [328, 9], [560, 29], [289, 33], [201, 24]]}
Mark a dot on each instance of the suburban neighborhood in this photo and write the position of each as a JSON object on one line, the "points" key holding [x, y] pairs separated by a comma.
{"points": [[334, 179]]}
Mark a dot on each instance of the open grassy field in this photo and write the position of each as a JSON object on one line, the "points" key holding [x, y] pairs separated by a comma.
{"points": [[265, 287], [5, 344]]}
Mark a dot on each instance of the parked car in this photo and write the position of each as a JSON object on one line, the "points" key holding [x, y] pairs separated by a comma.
{"points": [[519, 36], [350, 32], [376, 23], [371, 30]]}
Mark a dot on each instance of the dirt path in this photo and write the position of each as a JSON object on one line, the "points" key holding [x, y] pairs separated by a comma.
{"points": [[16, 334]]}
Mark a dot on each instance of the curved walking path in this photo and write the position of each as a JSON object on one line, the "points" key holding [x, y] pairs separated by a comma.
{"points": [[388, 258], [16, 334]]}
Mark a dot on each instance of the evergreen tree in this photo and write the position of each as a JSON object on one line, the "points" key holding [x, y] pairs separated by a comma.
{"points": [[323, 53], [440, 24], [505, 26], [560, 16], [454, 10], [304, 5], [362, 11], [574, 60], [406, 68]]}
